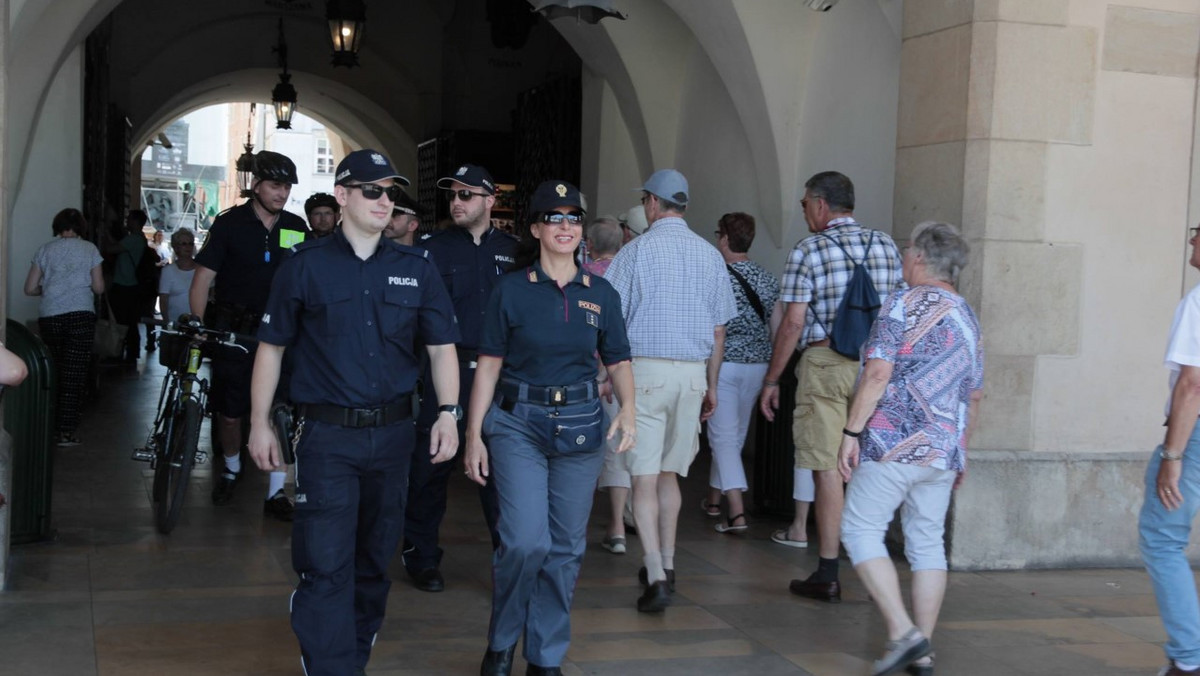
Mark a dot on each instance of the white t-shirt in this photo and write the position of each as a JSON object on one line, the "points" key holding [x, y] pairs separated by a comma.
{"points": [[1183, 345], [175, 283]]}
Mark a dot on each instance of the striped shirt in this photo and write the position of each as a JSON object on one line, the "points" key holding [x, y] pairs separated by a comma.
{"points": [[674, 291], [818, 272]]}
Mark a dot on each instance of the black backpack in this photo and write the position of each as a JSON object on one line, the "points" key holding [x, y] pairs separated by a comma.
{"points": [[856, 313]]}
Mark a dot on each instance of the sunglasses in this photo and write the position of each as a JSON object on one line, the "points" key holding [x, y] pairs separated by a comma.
{"points": [[374, 191], [554, 218], [464, 195]]}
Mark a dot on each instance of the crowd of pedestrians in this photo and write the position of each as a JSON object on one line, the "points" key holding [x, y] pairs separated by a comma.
{"points": [[582, 355]]}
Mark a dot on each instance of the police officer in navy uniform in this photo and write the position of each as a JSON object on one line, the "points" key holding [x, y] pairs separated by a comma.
{"points": [[352, 308], [536, 397], [245, 246], [471, 255]]}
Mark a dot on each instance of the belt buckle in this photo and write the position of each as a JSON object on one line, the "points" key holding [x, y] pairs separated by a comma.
{"points": [[558, 395], [367, 417]]}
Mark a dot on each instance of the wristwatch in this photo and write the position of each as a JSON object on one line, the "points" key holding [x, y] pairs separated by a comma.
{"points": [[453, 409], [1167, 455]]}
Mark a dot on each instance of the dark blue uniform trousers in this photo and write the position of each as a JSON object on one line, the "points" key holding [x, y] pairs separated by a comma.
{"points": [[350, 491], [545, 468], [427, 488]]}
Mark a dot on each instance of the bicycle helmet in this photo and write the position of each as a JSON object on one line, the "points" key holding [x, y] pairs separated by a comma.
{"points": [[320, 199], [272, 166]]}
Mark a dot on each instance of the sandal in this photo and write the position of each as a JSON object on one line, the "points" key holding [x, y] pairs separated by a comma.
{"points": [[729, 527], [915, 669], [709, 508], [902, 652], [780, 537]]}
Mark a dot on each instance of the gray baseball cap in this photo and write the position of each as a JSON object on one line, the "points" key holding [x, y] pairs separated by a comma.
{"points": [[667, 184]]}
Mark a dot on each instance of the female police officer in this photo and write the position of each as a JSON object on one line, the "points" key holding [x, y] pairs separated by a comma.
{"points": [[351, 306], [542, 329]]}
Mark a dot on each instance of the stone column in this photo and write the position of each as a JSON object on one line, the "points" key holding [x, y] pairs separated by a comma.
{"points": [[987, 89]]}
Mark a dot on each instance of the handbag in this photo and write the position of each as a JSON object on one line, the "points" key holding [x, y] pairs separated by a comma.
{"points": [[110, 336]]}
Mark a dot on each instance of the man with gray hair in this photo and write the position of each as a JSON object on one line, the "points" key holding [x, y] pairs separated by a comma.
{"points": [[676, 298], [604, 240], [815, 279]]}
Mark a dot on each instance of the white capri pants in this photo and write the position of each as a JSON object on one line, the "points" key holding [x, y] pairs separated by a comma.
{"points": [[613, 473], [738, 386], [803, 488], [876, 489]]}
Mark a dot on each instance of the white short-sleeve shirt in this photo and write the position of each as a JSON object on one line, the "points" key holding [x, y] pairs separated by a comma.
{"points": [[1183, 345]]}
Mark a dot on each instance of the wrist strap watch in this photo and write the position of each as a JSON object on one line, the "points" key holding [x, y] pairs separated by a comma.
{"points": [[452, 409], [1167, 455]]}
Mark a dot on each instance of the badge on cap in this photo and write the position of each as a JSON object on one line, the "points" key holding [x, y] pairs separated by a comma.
{"points": [[561, 190], [378, 159], [461, 170]]}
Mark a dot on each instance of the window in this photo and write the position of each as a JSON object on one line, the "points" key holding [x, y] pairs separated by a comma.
{"points": [[324, 157]]}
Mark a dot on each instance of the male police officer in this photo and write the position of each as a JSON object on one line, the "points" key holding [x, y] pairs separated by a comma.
{"points": [[351, 307], [471, 255], [245, 245], [402, 229], [321, 210]]}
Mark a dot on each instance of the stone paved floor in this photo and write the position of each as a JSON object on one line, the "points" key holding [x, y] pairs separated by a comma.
{"points": [[109, 596]]}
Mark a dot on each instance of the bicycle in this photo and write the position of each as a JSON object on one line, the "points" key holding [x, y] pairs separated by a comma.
{"points": [[172, 445]]}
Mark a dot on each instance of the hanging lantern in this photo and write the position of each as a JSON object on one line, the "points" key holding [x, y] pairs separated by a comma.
{"points": [[283, 96], [245, 163], [588, 11], [347, 21]]}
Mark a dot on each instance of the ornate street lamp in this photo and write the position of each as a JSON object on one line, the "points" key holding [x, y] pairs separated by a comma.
{"points": [[590, 11], [283, 96], [347, 21], [245, 163]]}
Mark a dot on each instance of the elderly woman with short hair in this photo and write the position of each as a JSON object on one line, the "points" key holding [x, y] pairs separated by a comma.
{"points": [[906, 438]]}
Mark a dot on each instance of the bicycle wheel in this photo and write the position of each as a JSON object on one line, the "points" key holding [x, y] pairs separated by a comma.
{"points": [[182, 455], [159, 439]]}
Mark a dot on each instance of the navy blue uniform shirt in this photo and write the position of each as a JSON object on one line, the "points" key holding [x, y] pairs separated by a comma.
{"points": [[549, 336], [245, 255], [353, 324], [470, 271]]}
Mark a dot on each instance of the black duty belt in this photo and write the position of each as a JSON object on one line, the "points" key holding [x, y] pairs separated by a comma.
{"points": [[510, 394], [395, 412]]}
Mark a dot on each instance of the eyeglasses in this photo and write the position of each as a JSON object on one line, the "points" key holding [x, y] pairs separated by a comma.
{"points": [[644, 198], [804, 202], [464, 195], [554, 217], [374, 191]]}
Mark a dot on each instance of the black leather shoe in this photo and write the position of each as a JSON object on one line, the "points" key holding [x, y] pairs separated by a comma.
{"points": [[655, 599], [829, 592], [223, 491], [535, 670], [497, 662], [279, 507], [429, 580], [644, 578]]}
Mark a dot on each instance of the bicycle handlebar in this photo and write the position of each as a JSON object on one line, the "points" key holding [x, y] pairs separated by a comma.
{"points": [[189, 326]]}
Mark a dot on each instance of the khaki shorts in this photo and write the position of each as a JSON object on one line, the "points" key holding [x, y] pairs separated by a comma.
{"points": [[669, 394], [822, 403]]}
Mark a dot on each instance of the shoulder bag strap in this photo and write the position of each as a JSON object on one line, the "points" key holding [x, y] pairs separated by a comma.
{"points": [[755, 301]]}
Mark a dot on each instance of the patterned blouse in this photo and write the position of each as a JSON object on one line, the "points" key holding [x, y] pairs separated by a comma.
{"points": [[931, 336], [748, 338]]}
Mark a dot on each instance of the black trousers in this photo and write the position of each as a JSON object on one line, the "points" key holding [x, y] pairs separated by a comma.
{"points": [[127, 305], [427, 485]]}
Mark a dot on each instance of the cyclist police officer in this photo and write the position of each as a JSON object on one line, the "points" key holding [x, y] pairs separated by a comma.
{"points": [[321, 210], [471, 254], [244, 247], [351, 307]]}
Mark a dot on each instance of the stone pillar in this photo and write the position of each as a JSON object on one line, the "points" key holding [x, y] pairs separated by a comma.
{"points": [[989, 90]]}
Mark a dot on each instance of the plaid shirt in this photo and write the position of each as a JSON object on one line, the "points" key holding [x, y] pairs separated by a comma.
{"points": [[674, 291], [818, 272]]}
